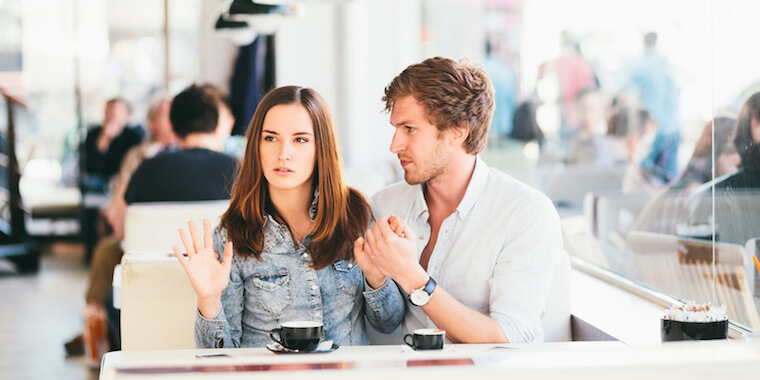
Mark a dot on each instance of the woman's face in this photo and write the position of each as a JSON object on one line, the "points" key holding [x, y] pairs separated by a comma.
{"points": [[288, 149], [728, 161]]}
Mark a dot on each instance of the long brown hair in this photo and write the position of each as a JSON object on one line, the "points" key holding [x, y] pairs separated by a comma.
{"points": [[342, 212]]}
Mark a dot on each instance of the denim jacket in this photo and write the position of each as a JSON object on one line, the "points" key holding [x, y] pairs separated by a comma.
{"points": [[284, 287]]}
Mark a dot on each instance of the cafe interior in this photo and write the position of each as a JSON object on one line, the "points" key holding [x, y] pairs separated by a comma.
{"points": [[627, 115]]}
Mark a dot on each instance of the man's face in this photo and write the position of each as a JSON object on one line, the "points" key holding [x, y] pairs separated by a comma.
{"points": [[115, 119], [420, 146]]}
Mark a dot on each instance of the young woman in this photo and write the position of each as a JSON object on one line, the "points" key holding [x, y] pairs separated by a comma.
{"points": [[287, 238]]}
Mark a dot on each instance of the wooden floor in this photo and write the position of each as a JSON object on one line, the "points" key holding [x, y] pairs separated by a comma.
{"points": [[40, 312]]}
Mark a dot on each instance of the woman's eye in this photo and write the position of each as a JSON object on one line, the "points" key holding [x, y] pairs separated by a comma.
{"points": [[409, 129], [268, 138], [301, 140]]}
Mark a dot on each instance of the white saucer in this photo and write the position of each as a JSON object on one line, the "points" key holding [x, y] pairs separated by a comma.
{"points": [[326, 346]]}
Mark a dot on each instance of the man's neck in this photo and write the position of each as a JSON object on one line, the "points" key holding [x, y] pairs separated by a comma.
{"points": [[201, 140], [446, 191]]}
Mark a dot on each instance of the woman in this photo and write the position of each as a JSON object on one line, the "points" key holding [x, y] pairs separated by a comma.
{"points": [[287, 238], [668, 210]]}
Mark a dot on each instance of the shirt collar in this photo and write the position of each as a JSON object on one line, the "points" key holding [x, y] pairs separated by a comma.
{"points": [[474, 189]]}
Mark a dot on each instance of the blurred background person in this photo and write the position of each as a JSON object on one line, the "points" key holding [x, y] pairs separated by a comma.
{"points": [[637, 128], [505, 88], [726, 204], [588, 146], [573, 74], [651, 84], [663, 213], [100, 158]]}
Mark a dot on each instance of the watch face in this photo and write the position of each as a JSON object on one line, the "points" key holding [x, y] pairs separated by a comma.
{"points": [[419, 297]]}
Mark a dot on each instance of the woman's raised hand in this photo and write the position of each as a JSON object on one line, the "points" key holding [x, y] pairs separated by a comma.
{"points": [[208, 276]]}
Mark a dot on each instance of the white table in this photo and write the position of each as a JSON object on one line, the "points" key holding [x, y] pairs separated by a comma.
{"points": [[572, 360]]}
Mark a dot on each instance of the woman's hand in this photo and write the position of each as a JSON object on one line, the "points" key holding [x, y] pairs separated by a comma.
{"points": [[208, 277]]}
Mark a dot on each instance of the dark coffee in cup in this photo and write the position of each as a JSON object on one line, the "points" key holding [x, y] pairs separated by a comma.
{"points": [[425, 339], [298, 335]]}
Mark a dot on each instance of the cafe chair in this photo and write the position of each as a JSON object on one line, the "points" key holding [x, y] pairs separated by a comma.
{"points": [[157, 301], [568, 187], [683, 268]]}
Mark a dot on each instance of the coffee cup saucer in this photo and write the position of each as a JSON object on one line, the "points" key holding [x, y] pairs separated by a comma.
{"points": [[326, 346]]}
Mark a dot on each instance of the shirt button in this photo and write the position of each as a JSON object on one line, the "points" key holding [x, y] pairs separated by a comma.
{"points": [[422, 237], [313, 287]]}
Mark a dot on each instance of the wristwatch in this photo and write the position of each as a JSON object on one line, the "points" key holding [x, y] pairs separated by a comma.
{"points": [[421, 296]]}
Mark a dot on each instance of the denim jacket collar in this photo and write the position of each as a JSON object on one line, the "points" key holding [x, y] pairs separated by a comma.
{"points": [[280, 233]]}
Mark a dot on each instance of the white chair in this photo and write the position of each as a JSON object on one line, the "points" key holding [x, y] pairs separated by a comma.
{"points": [[568, 187], [611, 214], [151, 227], [158, 304]]}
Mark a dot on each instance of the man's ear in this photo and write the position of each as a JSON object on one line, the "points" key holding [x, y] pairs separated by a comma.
{"points": [[459, 134]]}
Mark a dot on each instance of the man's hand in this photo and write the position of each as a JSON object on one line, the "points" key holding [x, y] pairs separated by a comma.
{"points": [[394, 252], [374, 276]]}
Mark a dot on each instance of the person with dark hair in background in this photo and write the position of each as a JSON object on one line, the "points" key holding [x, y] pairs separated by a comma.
{"points": [[100, 158], [732, 213], [285, 242], [477, 248], [174, 176], [196, 171], [106, 145], [526, 128], [663, 213]]}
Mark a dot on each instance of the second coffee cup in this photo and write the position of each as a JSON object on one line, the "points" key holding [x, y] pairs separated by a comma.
{"points": [[426, 339], [298, 335]]}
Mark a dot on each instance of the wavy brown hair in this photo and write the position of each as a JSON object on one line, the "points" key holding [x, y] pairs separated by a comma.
{"points": [[342, 212], [452, 93]]}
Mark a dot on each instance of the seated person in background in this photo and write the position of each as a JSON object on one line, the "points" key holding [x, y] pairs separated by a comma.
{"points": [[170, 176], [105, 146], [161, 138], [735, 217], [663, 213], [197, 170], [634, 131], [589, 146], [478, 248], [232, 145], [287, 238], [100, 158]]}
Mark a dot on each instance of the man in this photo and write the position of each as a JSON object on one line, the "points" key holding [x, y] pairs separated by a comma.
{"points": [[198, 170], [489, 241], [101, 154]]}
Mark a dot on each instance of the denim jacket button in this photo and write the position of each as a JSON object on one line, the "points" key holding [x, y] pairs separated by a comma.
{"points": [[350, 266], [313, 287], [305, 255]]}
